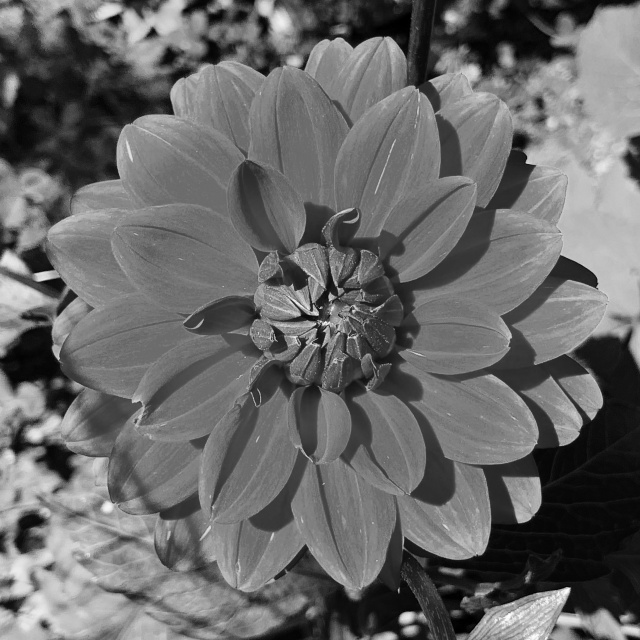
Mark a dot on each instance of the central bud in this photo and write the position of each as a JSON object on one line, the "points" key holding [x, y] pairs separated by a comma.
{"points": [[327, 314]]}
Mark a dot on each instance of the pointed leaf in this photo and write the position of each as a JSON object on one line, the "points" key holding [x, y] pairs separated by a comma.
{"points": [[375, 69], [111, 348], [446, 89], [79, 248], [538, 191], [501, 259], [296, 128], [108, 194], [346, 522], [187, 391], [554, 320], [475, 138], [386, 447], [221, 316], [219, 96], [514, 490], [451, 336], [389, 152], [183, 256], [168, 160], [264, 208], [327, 59]]}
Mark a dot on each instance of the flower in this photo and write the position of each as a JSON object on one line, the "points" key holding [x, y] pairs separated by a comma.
{"points": [[329, 312]]}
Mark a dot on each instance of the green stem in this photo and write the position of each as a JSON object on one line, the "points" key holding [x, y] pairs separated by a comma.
{"points": [[428, 597], [422, 17]]}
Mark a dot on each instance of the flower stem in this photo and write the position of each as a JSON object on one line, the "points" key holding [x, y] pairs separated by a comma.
{"points": [[422, 17], [428, 597]]}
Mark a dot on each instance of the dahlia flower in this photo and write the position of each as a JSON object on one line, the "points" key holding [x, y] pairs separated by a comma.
{"points": [[323, 310]]}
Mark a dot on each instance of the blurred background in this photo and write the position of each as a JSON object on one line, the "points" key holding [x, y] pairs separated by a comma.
{"points": [[74, 72]]}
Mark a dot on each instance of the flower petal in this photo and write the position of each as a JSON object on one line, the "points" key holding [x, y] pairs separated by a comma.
{"points": [[219, 96], [386, 447], [375, 69], [168, 160], [147, 477], [452, 335], [296, 128], [327, 59], [66, 320], [221, 316], [183, 256], [248, 458], [93, 421], [571, 270], [111, 348], [501, 259], [390, 151], [514, 490], [187, 391], [475, 138], [346, 522], [319, 423], [554, 320], [446, 89], [264, 208], [79, 248], [477, 419], [108, 194], [538, 191]]}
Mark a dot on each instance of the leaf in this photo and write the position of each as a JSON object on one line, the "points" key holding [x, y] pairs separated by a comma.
{"points": [[609, 69], [530, 618]]}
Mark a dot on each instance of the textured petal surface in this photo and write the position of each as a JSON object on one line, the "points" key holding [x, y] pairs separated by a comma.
{"points": [[183, 256], [168, 160], [554, 320], [453, 335], [108, 194], [386, 447], [475, 136], [111, 348], [501, 259], [296, 128], [477, 419], [389, 152], [346, 522], [221, 316], [186, 392], [514, 491], [146, 476], [79, 248], [219, 96], [446, 89], [66, 320], [327, 59], [265, 208], [248, 458], [425, 225]]}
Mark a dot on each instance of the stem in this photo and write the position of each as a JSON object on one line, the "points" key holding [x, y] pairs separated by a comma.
{"points": [[428, 597], [422, 17]]}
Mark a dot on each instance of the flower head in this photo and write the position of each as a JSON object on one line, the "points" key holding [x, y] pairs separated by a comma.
{"points": [[328, 311]]}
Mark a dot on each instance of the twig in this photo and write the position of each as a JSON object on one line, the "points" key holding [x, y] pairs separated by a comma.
{"points": [[422, 17]]}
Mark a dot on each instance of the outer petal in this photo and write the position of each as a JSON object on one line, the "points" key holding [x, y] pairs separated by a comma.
{"points": [[554, 320], [327, 59], [265, 208], [446, 89], [390, 151], [111, 348], [183, 256], [501, 259], [346, 522], [146, 476], [68, 318], [425, 225], [219, 96], [248, 458], [514, 490], [108, 194], [186, 392], [538, 191], [296, 129], [168, 160], [374, 70], [79, 248], [386, 447], [475, 137], [477, 419], [451, 336], [93, 421]]}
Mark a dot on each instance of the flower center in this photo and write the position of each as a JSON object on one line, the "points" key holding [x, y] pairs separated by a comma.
{"points": [[328, 314]]}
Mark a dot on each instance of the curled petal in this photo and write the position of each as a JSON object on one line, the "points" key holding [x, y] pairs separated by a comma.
{"points": [[327, 59], [221, 316]]}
